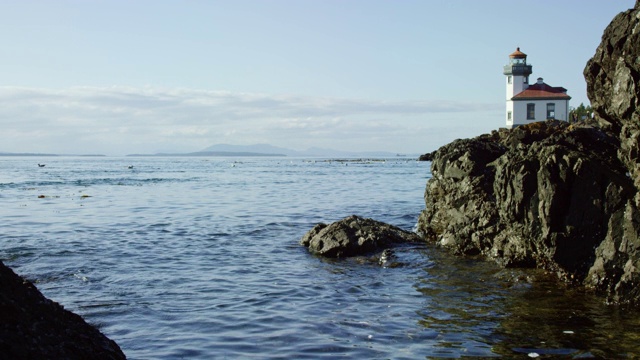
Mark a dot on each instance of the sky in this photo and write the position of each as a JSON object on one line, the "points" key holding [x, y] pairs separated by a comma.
{"points": [[118, 77]]}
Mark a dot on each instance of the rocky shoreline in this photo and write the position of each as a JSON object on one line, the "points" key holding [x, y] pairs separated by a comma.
{"points": [[557, 196], [551, 195]]}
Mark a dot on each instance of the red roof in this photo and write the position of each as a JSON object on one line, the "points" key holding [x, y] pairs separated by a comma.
{"points": [[542, 91], [517, 54]]}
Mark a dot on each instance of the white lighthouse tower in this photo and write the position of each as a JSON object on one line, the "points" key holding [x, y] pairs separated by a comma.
{"points": [[528, 103], [517, 72]]}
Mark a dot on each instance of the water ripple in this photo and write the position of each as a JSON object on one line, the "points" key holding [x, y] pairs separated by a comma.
{"points": [[194, 258]]}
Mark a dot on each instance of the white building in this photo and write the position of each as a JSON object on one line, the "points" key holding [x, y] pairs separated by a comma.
{"points": [[528, 103]]}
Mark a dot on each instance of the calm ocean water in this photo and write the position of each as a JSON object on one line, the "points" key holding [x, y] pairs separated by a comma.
{"points": [[198, 258]]}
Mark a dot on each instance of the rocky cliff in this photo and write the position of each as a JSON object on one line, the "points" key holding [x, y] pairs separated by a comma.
{"points": [[34, 327], [553, 195]]}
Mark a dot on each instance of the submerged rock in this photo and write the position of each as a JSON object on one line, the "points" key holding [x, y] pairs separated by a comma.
{"points": [[34, 327], [558, 196], [354, 236]]}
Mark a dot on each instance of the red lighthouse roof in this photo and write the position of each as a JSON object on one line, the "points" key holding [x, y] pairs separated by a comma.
{"points": [[541, 91], [518, 54]]}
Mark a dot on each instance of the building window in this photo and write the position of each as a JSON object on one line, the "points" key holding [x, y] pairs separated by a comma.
{"points": [[551, 111], [531, 111], [509, 80], [525, 79], [508, 115]]}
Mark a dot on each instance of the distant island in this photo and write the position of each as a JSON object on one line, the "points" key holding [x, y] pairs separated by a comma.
{"points": [[273, 151], [25, 154], [211, 153], [47, 155], [256, 150]]}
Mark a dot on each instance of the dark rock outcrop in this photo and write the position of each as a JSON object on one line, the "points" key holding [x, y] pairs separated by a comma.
{"points": [[613, 74], [426, 157], [34, 327], [613, 86], [540, 195], [553, 195], [353, 236]]}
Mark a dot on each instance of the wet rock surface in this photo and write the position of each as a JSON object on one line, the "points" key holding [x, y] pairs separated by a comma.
{"points": [[558, 196], [34, 327], [353, 236]]}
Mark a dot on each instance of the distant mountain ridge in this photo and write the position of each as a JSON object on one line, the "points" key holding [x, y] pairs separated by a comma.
{"points": [[26, 154], [212, 153], [47, 154], [311, 152], [254, 150]]}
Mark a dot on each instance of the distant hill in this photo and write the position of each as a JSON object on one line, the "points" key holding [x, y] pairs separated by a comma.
{"points": [[311, 152], [254, 149], [212, 153], [42, 154], [25, 154]]}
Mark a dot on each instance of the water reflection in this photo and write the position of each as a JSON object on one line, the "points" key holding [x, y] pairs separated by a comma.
{"points": [[480, 310], [550, 319]]}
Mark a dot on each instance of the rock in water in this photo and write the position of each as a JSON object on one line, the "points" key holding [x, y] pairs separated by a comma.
{"points": [[34, 327], [553, 195], [353, 236]]}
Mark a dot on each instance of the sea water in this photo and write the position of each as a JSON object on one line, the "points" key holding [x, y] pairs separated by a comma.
{"points": [[198, 258]]}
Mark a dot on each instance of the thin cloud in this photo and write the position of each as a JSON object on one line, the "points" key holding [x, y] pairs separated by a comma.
{"points": [[124, 120]]}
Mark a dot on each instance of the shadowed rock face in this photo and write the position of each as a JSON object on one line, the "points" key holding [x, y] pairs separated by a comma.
{"points": [[34, 327], [353, 236], [613, 74], [613, 87], [540, 195], [552, 195], [613, 84]]}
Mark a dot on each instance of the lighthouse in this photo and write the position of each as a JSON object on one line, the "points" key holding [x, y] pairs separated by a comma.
{"points": [[529, 103]]}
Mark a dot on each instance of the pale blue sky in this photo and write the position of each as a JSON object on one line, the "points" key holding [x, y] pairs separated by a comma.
{"points": [[118, 77]]}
